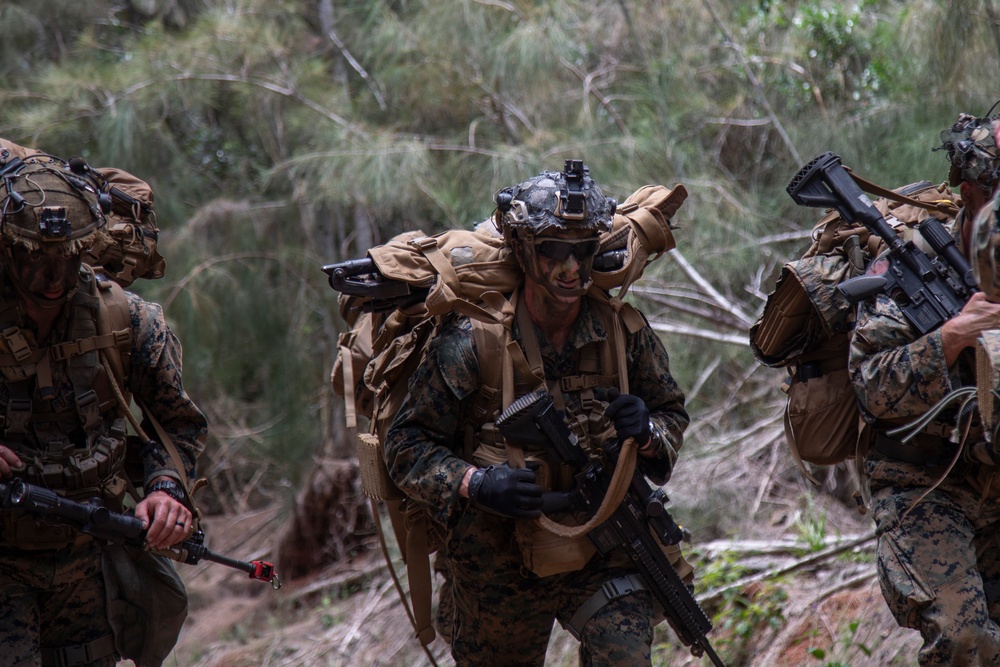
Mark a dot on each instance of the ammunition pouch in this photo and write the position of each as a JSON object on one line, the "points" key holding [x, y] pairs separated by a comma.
{"points": [[494, 454], [80, 470], [542, 552]]}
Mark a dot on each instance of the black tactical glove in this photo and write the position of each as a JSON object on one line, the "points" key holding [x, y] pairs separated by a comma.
{"points": [[506, 491], [631, 418]]}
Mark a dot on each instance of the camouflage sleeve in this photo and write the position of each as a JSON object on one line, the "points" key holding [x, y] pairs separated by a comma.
{"points": [[419, 445], [155, 380], [896, 373], [650, 380]]}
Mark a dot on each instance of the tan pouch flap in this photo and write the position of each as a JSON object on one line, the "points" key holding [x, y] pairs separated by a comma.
{"points": [[641, 226]]}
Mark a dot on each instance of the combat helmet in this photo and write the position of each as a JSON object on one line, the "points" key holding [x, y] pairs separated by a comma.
{"points": [[44, 203], [553, 201], [972, 150]]}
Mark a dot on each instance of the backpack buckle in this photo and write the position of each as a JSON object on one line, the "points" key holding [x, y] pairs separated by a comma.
{"points": [[424, 243], [16, 343]]}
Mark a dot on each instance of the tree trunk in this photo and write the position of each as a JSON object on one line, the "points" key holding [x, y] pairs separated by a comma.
{"points": [[331, 521]]}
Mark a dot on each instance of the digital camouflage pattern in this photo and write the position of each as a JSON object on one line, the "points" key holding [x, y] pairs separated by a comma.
{"points": [[938, 559], [492, 591], [506, 613], [51, 583], [419, 447], [155, 379], [539, 211], [896, 374], [985, 249], [71, 584]]}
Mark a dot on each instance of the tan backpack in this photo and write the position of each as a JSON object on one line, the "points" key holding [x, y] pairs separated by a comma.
{"points": [[470, 273], [806, 324]]}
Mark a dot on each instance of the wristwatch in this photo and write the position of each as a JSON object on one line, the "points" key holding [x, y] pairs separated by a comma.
{"points": [[653, 437], [168, 486]]}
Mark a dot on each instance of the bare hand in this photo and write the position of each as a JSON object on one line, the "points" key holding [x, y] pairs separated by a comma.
{"points": [[961, 331], [167, 521], [8, 461]]}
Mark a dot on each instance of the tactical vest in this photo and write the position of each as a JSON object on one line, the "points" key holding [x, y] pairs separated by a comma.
{"points": [[509, 369], [597, 365], [62, 403]]}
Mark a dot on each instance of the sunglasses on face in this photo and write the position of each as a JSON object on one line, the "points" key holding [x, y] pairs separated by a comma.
{"points": [[558, 250]]}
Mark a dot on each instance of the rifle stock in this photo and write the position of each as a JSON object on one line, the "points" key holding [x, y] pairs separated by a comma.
{"points": [[109, 526], [929, 291], [533, 420]]}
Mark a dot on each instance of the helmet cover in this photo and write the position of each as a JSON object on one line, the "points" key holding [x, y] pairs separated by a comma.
{"points": [[547, 204], [554, 200], [43, 204]]}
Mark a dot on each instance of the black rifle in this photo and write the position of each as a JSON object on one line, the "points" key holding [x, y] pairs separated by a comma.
{"points": [[361, 278], [532, 420], [102, 523], [928, 291]]}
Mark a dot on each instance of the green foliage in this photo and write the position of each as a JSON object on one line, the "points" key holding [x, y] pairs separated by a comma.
{"points": [[279, 136], [811, 526], [327, 615], [848, 647], [744, 612]]}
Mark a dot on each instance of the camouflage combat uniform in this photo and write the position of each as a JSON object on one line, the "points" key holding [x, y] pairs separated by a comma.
{"points": [[53, 593], [505, 612], [939, 558]]}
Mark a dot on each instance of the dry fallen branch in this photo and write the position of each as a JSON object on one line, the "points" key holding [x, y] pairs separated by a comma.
{"points": [[714, 596], [714, 295]]}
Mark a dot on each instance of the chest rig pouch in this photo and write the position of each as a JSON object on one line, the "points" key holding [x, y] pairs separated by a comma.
{"points": [[509, 370], [59, 413]]}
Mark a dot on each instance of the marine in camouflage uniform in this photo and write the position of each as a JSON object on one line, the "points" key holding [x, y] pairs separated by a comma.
{"points": [[58, 435], [504, 611], [937, 509]]}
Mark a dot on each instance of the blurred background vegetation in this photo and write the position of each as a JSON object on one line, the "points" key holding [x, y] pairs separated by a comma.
{"points": [[280, 135]]}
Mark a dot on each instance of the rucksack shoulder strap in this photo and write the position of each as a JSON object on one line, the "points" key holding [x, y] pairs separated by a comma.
{"points": [[114, 317], [620, 319]]}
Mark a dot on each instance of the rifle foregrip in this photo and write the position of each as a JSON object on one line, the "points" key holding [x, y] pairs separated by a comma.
{"points": [[110, 524], [945, 246]]}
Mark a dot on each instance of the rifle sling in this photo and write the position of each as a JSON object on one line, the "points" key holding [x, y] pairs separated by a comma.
{"points": [[617, 488], [945, 207]]}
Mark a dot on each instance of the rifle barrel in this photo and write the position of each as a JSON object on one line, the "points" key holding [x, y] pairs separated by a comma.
{"points": [[102, 523]]}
